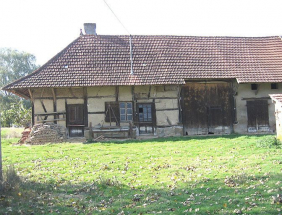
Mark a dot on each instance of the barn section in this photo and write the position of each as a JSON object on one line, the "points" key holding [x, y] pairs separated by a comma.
{"points": [[254, 109], [110, 111], [207, 107], [277, 100]]}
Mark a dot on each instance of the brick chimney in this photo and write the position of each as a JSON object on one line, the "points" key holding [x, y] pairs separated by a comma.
{"points": [[90, 28]]}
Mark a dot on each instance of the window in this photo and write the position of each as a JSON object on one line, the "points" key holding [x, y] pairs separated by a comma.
{"points": [[125, 109], [145, 112], [254, 86], [274, 86], [118, 112], [112, 112]]}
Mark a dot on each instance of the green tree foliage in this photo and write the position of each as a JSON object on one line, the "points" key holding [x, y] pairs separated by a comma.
{"points": [[14, 65]]}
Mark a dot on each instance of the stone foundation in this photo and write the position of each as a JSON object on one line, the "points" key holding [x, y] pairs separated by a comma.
{"points": [[169, 131]]}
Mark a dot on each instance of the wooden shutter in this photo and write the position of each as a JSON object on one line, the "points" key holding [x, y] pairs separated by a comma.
{"points": [[112, 112]]}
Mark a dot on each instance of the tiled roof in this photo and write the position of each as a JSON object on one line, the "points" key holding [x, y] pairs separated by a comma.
{"points": [[93, 60], [276, 97]]}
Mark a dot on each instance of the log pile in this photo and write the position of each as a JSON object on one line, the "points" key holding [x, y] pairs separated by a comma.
{"points": [[46, 133], [25, 135]]}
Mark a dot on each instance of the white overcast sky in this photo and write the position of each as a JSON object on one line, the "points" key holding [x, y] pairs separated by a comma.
{"points": [[45, 27]]}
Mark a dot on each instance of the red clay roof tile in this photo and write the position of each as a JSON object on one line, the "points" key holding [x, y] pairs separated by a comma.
{"points": [[93, 60]]}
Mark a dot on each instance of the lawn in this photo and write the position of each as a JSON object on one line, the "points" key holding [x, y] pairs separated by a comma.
{"points": [[188, 175]]}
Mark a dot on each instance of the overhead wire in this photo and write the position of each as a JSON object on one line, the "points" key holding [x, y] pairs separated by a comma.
{"points": [[130, 38], [116, 17]]}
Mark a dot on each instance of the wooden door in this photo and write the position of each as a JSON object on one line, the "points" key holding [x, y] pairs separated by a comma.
{"points": [[75, 120], [258, 116]]}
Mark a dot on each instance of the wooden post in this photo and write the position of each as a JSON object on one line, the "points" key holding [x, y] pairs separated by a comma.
{"points": [[90, 131], [32, 102], [85, 98], [54, 105], [1, 169]]}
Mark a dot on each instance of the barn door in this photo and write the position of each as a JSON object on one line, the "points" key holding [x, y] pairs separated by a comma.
{"points": [[75, 120], [145, 117], [207, 108]]}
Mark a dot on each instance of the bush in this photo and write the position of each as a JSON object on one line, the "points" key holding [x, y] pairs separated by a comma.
{"points": [[10, 181], [269, 142]]}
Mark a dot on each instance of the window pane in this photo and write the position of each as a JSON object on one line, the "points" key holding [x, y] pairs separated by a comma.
{"points": [[129, 105], [122, 117], [122, 111], [145, 110], [129, 117], [129, 111], [141, 117], [122, 105]]}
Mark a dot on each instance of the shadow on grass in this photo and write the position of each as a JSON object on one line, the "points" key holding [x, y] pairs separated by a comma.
{"points": [[238, 194], [182, 138]]}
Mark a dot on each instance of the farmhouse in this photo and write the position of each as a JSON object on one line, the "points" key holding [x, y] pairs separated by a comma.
{"points": [[128, 86]]}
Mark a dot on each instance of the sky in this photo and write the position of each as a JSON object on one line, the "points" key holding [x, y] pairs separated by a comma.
{"points": [[45, 27]]}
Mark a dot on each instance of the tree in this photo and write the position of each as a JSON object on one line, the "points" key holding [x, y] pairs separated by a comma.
{"points": [[14, 65]]}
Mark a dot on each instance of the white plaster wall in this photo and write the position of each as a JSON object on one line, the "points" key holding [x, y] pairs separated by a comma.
{"points": [[278, 114], [61, 107], [96, 119], [166, 103], [101, 91], [98, 104], [244, 91], [38, 109], [75, 101], [125, 93], [167, 118], [166, 92]]}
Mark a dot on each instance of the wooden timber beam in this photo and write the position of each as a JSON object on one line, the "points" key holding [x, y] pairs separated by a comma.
{"points": [[116, 93], [31, 95], [71, 92], [32, 108], [54, 104], [85, 106], [41, 95]]}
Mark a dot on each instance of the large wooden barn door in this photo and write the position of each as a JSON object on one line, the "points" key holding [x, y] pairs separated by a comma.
{"points": [[207, 108], [75, 120]]}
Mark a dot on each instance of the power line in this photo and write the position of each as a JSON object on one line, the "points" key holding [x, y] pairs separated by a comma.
{"points": [[117, 17]]}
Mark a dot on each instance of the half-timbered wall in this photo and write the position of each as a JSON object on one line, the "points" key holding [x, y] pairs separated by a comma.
{"points": [[162, 102]]}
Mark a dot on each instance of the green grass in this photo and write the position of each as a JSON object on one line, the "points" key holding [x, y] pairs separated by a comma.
{"points": [[187, 175]]}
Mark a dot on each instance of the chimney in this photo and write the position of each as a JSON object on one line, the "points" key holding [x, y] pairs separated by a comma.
{"points": [[90, 28]]}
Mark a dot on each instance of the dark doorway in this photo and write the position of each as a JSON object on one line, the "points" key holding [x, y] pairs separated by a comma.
{"points": [[258, 117], [75, 120], [146, 118]]}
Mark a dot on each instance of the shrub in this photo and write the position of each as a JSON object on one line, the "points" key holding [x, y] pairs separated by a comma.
{"points": [[10, 180], [269, 142]]}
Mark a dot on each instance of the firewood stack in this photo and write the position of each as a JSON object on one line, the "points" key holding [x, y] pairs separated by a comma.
{"points": [[46, 133], [25, 135]]}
